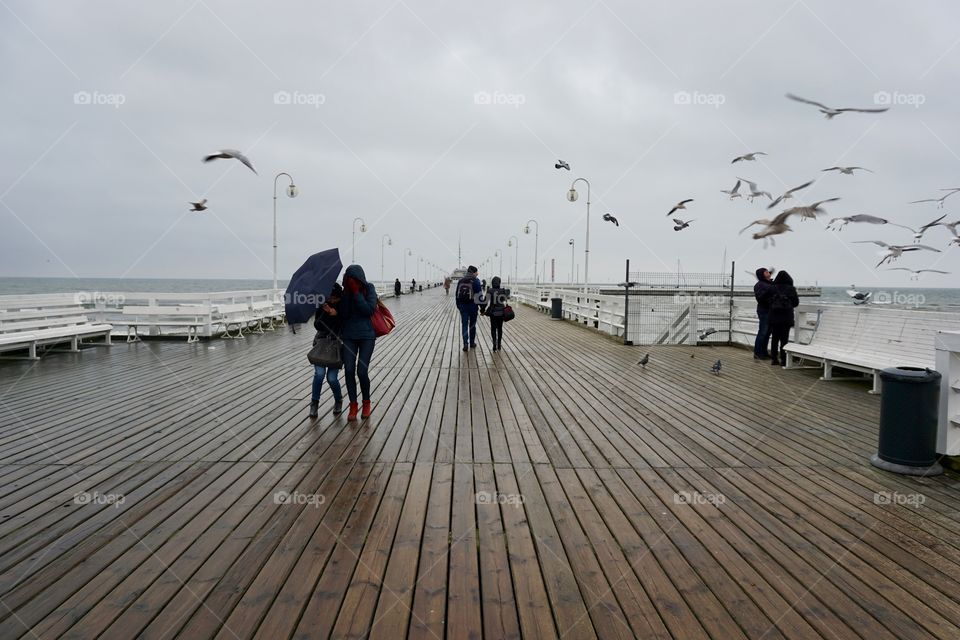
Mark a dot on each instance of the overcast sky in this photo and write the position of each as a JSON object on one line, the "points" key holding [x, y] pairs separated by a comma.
{"points": [[438, 120]]}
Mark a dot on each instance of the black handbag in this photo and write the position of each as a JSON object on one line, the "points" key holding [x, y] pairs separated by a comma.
{"points": [[325, 351]]}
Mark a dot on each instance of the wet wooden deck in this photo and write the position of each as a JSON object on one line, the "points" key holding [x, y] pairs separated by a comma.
{"points": [[554, 489]]}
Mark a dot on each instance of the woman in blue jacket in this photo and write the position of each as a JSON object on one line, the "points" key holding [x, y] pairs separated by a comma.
{"points": [[358, 304]]}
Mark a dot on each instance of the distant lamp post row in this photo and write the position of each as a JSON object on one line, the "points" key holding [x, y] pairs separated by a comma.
{"points": [[536, 242], [353, 243], [572, 196]]}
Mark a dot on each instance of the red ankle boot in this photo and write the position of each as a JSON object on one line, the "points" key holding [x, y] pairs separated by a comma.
{"points": [[352, 412], [365, 413]]}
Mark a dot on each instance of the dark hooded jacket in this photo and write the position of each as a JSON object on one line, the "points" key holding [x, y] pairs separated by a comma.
{"points": [[328, 324], [783, 300], [762, 291], [496, 299], [356, 308]]}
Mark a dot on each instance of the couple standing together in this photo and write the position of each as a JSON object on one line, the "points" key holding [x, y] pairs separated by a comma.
{"points": [[776, 300], [471, 302], [346, 315]]}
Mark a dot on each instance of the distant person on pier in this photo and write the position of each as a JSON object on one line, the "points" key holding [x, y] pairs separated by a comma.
{"points": [[446, 285], [397, 287], [496, 302], [783, 301], [358, 304], [762, 292], [328, 322], [469, 296], [413, 286]]}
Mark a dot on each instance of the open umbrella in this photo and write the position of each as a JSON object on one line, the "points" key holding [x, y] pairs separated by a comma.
{"points": [[311, 284]]}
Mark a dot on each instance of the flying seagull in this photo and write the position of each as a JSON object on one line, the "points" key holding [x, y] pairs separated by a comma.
{"points": [[230, 153], [716, 367], [754, 192], [748, 156], [680, 205], [894, 251], [939, 200], [811, 211], [562, 164], [779, 225], [846, 170], [916, 272], [839, 223], [733, 193], [609, 218], [199, 206], [789, 194], [708, 332], [830, 112], [681, 224], [858, 296], [918, 233], [644, 360]]}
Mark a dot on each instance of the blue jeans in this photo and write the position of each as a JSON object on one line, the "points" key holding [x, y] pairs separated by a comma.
{"points": [[331, 375], [763, 334], [355, 350], [468, 325]]}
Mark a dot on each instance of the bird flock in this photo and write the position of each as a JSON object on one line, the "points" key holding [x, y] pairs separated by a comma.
{"points": [[778, 224]]}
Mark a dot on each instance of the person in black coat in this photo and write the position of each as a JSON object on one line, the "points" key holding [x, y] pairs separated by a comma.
{"points": [[762, 291], [327, 322], [496, 302], [782, 300], [397, 287]]}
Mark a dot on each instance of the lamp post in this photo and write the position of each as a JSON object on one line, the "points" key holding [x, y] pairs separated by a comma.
{"points": [[406, 252], [572, 258], [419, 262], [514, 241], [389, 240], [572, 197], [292, 192], [363, 228], [536, 242]]}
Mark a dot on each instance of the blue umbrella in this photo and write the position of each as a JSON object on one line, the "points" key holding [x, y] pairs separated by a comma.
{"points": [[311, 284]]}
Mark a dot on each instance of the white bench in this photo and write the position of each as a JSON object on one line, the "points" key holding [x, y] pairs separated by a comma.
{"points": [[27, 329], [868, 340], [196, 319]]}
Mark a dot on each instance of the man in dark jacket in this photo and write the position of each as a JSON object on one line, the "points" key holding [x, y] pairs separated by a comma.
{"points": [[783, 301], [397, 287], [469, 296], [496, 303], [762, 291], [358, 304]]}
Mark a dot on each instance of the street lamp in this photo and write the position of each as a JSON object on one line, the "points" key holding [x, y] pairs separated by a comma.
{"points": [[389, 240], [499, 254], [363, 228], [536, 242], [406, 252], [419, 262], [572, 197], [572, 258], [514, 241], [292, 192]]}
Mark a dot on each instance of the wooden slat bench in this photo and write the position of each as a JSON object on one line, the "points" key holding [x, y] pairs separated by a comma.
{"points": [[27, 329], [197, 319], [868, 340]]}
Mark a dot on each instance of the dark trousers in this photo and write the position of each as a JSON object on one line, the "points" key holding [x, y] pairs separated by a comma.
{"points": [[496, 330], [763, 334], [468, 325], [356, 363], [781, 336]]}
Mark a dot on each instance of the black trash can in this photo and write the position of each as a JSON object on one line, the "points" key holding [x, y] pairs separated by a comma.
{"points": [[556, 308], [909, 404]]}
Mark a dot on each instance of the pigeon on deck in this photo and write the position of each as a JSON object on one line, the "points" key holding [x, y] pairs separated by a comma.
{"points": [[644, 360], [716, 367]]}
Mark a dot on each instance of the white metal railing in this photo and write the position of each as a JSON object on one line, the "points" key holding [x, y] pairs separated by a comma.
{"points": [[947, 345]]}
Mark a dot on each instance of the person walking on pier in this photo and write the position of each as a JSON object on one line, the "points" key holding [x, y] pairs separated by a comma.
{"points": [[783, 301], [762, 291], [358, 304], [446, 285], [397, 287], [496, 303], [469, 296], [413, 286], [327, 322]]}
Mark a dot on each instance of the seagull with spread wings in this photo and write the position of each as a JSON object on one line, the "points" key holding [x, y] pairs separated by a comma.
{"points": [[789, 194], [748, 156], [894, 251], [562, 164], [199, 206], [916, 272], [227, 154], [754, 192], [680, 225], [680, 205], [837, 224], [939, 200], [830, 112], [846, 170], [733, 193]]}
